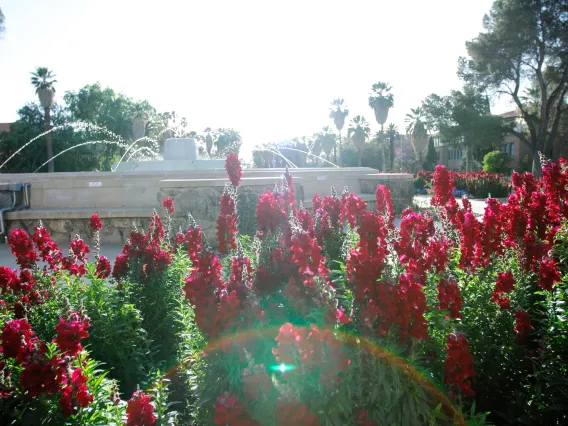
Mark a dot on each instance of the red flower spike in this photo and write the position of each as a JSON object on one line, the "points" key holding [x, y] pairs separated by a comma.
{"points": [[459, 366], [95, 223], [140, 411], [168, 204], [233, 168]]}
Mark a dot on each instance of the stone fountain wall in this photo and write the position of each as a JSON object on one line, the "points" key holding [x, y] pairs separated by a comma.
{"points": [[64, 202]]}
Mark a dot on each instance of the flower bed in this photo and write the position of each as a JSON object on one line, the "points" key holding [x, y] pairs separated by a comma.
{"points": [[479, 184], [329, 316]]}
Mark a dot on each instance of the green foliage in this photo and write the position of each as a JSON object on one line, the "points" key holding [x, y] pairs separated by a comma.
{"points": [[496, 162], [372, 156], [2, 22], [431, 156], [524, 40], [419, 183], [463, 118], [116, 337]]}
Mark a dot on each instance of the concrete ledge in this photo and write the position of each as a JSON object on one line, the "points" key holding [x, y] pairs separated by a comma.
{"points": [[367, 198], [79, 213], [221, 182]]}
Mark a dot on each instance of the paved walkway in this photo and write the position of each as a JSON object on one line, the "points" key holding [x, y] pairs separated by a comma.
{"points": [[477, 205]]}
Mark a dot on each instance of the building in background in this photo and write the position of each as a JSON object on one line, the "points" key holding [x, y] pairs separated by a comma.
{"points": [[5, 127], [454, 155]]}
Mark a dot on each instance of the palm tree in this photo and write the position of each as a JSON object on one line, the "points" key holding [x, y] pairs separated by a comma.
{"points": [[315, 147], [326, 139], [381, 100], [417, 130], [338, 114], [43, 79], [208, 140], [392, 134], [359, 132]]}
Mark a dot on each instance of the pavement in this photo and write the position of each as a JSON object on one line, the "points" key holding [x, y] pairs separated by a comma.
{"points": [[8, 259], [477, 205]]}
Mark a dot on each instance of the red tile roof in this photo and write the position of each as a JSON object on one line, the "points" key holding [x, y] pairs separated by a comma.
{"points": [[5, 127]]}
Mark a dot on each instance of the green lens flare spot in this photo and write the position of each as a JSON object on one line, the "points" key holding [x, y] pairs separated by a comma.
{"points": [[281, 367]]}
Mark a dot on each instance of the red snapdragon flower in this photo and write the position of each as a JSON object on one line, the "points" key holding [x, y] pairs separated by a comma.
{"points": [[70, 331], [233, 168], [103, 267], [548, 274], [15, 335], [48, 250], [168, 204], [227, 223], [75, 394], [269, 214], [384, 205], [9, 280], [23, 248], [523, 326], [79, 249], [449, 297], [459, 367], [95, 223], [120, 268], [140, 411], [40, 375], [179, 239], [505, 284], [230, 411], [352, 208]]}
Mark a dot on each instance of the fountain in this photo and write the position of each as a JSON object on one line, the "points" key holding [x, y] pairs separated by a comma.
{"points": [[135, 186], [179, 154]]}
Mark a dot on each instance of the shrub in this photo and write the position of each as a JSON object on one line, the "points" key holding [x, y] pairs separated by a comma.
{"points": [[496, 162]]}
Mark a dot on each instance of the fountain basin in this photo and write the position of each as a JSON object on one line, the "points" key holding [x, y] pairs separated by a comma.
{"points": [[65, 201]]}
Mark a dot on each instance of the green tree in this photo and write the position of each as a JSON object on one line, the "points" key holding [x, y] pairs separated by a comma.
{"points": [[525, 40], [392, 134], [463, 119], [416, 128], [431, 156], [2, 22], [496, 162], [227, 140], [338, 113], [43, 80], [358, 132], [381, 100], [208, 140], [326, 139]]}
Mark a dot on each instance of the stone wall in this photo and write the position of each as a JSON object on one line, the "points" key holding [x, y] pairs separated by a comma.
{"points": [[203, 204], [65, 201], [115, 230], [402, 191]]}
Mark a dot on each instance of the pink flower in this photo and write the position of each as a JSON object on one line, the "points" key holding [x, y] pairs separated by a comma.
{"points": [[233, 168], [95, 223], [168, 204]]}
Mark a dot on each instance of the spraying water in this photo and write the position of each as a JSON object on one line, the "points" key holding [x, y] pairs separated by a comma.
{"points": [[141, 149], [77, 126], [280, 155], [311, 155], [144, 138], [77, 146]]}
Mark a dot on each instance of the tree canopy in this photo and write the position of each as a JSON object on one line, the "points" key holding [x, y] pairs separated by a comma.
{"points": [[2, 22], [463, 118], [525, 41]]}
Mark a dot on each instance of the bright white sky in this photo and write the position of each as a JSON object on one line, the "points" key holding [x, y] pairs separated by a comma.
{"points": [[268, 69]]}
